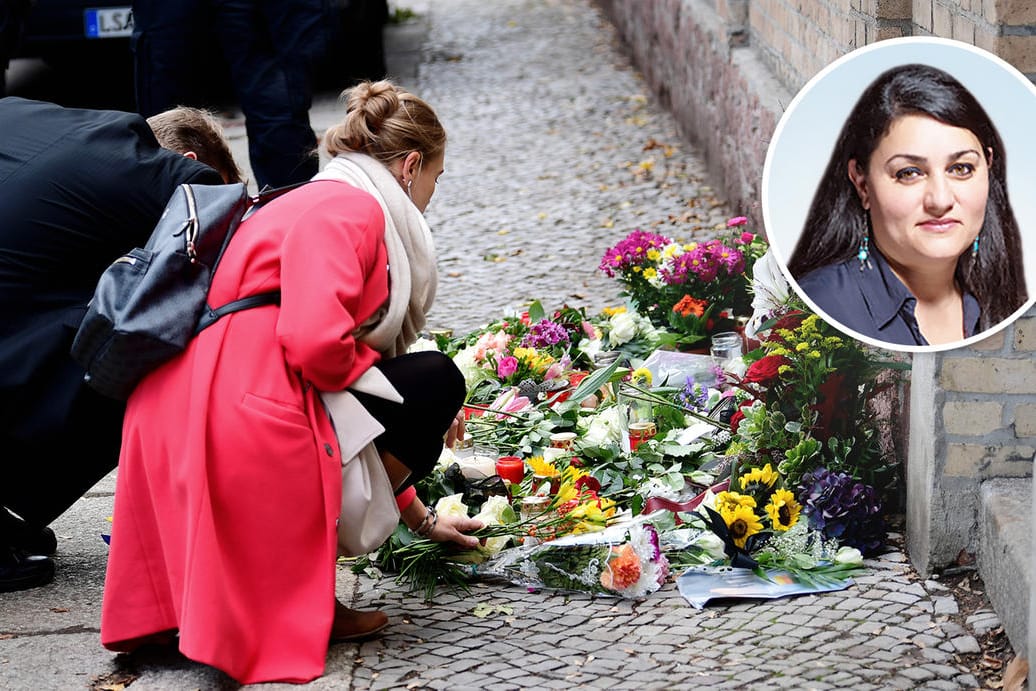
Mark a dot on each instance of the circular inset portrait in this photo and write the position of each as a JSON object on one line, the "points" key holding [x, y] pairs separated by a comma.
{"points": [[898, 193]]}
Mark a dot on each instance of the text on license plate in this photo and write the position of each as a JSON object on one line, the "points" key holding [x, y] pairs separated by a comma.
{"points": [[110, 22]]}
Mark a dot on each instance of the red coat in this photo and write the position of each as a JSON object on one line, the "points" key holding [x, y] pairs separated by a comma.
{"points": [[229, 481]]}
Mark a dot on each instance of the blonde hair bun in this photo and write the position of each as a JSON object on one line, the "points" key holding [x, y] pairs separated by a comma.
{"points": [[386, 122]]}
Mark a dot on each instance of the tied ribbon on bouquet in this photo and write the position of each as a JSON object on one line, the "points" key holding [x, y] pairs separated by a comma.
{"points": [[739, 557]]}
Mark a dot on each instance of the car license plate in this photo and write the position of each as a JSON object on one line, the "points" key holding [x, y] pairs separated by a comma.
{"points": [[110, 22]]}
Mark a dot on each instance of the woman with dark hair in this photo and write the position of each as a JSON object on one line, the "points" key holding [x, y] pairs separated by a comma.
{"points": [[910, 238]]}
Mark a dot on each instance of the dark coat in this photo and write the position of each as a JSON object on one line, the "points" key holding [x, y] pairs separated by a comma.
{"points": [[78, 188]]}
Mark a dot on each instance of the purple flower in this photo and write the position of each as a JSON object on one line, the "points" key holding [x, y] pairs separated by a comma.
{"points": [[843, 508], [545, 333], [733, 260], [631, 251], [737, 221], [693, 395]]}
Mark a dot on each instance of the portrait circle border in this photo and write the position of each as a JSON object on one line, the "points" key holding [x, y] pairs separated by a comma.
{"points": [[895, 46]]}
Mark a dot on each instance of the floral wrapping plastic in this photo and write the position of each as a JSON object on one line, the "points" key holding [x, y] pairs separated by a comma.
{"points": [[622, 561]]}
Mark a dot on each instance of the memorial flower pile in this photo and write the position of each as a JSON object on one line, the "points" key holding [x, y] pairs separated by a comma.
{"points": [[637, 458], [693, 289]]}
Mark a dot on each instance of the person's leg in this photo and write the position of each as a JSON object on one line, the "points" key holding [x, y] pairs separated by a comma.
{"points": [[167, 37], [274, 93], [12, 24], [57, 467], [45, 475], [433, 391]]}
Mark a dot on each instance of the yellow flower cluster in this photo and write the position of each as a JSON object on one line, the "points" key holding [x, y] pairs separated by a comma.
{"points": [[739, 510], [535, 360], [804, 341]]}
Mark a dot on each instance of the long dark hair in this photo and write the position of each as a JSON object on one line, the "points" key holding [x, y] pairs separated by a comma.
{"points": [[837, 224]]}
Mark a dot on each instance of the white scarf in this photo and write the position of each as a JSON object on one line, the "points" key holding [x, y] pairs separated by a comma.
{"points": [[411, 254]]}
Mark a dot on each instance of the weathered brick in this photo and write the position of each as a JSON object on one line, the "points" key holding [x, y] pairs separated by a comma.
{"points": [[974, 460], [988, 375], [1020, 51], [942, 19], [976, 418], [994, 342], [1016, 12], [893, 9], [986, 38], [922, 14], [963, 28], [1025, 334], [1025, 420]]}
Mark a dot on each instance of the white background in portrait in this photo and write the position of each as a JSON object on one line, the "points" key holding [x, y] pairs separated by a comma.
{"points": [[806, 134]]}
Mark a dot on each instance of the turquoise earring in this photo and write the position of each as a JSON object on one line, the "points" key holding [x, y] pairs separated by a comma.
{"points": [[974, 248], [864, 254]]}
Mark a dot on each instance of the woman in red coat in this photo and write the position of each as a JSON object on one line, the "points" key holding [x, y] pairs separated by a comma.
{"points": [[229, 482]]}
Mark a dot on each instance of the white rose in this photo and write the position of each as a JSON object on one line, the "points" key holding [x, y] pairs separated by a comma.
{"points": [[849, 556], [604, 428], [623, 328], [711, 543], [422, 344], [492, 511], [452, 505]]}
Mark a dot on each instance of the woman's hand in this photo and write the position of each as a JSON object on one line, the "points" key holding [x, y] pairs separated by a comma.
{"points": [[452, 528], [456, 431]]}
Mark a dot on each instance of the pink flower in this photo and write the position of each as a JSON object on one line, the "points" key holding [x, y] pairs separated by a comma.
{"points": [[737, 221], [490, 343], [507, 366], [588, 329], [745, 239], [554, 371]]}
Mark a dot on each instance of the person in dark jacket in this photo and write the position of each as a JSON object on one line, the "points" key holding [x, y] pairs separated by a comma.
{"points": [[78, 188]]}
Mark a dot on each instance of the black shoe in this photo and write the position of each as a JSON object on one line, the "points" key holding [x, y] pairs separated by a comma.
{"points": [[14, 532], [19, 571], [42, 541]]}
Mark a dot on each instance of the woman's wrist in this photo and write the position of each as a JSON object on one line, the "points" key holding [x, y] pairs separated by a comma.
{"points": [[427, 525]]}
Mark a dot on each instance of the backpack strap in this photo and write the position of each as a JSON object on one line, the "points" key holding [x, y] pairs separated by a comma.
{"points": [[210, 316]]}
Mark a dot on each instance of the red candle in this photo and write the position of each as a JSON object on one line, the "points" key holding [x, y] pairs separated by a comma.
{"points": [[511, 468]]}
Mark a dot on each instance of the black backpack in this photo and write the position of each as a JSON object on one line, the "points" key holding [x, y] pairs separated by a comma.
{"points": [[152, 301]]}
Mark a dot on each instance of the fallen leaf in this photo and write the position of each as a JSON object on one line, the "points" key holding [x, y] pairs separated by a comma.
{"points": [[59, 610], [1015, 674], [485, 609]]}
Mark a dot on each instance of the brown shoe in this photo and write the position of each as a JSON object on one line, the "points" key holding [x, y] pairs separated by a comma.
{"points": [[356, 625]]}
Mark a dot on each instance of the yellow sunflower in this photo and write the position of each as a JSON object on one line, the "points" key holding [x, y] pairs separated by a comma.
{"points": [[742, 523], [764, 476], [728, 501], [783, 510]]}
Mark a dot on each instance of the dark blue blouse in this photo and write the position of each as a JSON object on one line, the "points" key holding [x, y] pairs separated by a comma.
{"points": [[874, 302]]}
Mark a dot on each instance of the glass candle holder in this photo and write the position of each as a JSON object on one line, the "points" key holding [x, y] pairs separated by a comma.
{"points": [[726, 347], [511, 468]]}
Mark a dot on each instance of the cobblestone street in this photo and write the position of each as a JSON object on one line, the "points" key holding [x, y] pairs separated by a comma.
{"points": [[557, 150]]}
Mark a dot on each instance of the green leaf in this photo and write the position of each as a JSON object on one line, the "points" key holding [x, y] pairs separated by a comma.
{"points": [[594, 381], [536, 312]]}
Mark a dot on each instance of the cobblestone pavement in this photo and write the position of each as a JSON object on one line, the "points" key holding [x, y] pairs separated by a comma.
{"points": [[556, 152]]}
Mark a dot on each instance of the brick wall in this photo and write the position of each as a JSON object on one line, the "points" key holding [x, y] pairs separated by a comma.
{"points": [[989, 414], [973, 418]]}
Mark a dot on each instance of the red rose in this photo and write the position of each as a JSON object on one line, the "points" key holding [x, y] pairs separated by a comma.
{"points": [[735, 420], [589, 483], [764, 370]]}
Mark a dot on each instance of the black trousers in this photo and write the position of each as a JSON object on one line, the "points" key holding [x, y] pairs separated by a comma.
{"points": [[433, 391], [271, 47], [44, 474]]}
